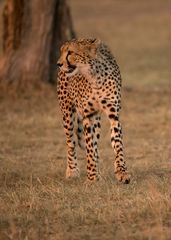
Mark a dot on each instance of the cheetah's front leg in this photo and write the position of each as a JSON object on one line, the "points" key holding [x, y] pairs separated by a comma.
{"points": [[116, 140], [72, 167], [91, 150]]}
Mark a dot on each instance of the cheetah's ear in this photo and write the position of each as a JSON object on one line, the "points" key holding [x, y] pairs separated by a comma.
{"points": [[96, 41], [94, 45]]}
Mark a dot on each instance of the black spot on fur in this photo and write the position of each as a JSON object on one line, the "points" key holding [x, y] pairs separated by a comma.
{"points": [[89, 129], [112, 109], [90, 104], [115, 129], [112, 116], [103, 101]]}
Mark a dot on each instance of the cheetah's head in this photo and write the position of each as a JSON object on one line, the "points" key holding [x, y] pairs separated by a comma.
{"points": [[77, 55]]}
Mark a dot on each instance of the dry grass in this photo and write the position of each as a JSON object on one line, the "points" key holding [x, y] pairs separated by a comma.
{"points": [[36, 202]]}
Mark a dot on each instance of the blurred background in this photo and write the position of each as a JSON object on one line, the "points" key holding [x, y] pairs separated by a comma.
{"points": [[138, 33]]}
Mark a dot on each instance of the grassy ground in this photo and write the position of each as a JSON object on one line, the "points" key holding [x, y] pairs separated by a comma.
{"points": [[36, 202]]}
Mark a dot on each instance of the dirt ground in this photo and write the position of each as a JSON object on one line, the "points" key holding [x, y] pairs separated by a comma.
{"points": [[36, 201]]}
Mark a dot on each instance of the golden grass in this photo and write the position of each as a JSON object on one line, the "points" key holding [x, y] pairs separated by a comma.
{"points": [[36, 202]]}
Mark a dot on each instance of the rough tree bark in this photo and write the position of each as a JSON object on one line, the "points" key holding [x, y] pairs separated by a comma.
{"points": [[32, 34]]}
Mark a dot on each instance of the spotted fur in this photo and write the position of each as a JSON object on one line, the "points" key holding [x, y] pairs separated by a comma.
{"points": [[89, 83]]}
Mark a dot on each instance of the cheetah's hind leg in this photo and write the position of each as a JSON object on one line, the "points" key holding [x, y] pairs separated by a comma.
{"points": [[80, 132], [72, 170]]}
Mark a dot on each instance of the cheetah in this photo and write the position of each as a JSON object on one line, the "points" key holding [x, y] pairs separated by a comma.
{"points": [[89, 84]]}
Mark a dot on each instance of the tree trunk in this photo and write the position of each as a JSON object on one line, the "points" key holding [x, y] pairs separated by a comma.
{"points": [[33, 32]]}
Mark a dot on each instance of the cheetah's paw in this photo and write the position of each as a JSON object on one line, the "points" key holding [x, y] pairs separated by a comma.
{"points": [[72, 173], [123, 177]]}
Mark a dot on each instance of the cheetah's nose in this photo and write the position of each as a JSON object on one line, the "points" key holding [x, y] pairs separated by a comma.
{"points": [[59, 64]]}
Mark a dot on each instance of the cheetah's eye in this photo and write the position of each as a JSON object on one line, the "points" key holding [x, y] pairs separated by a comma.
{"points": [[71, 66], [69, 53]]}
